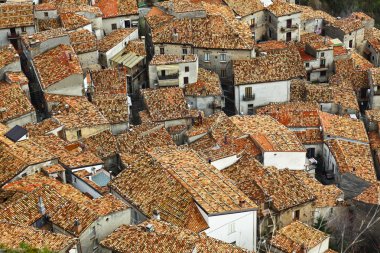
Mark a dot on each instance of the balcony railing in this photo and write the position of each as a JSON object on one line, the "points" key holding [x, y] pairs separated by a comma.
{"points": [[249, 97], [168, 77], [289, 28]]}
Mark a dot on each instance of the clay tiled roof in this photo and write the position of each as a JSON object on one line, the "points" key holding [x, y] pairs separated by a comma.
{"points": [[106, 205], [373, 37], [80, 8], [213, 31], [268, 133], [282, 8], [104, 144], [271, 45], [114, 108], [18, 78], [371, 195], [326, 195], [374, 140], [56, 64], [72, 21], [43, 127], [164, 238], [354, 158], [13, 103], [297, 235], [260, 184], [115, 8], [347, 25], [44, 7], [77, 112], [48, 24], [148, 186], [72, 158], [16, 15], [13, 235], [245, 8], [373, 115], [208, 84], [83, 41], [166, 104], [338, 126], [361, 16], [8, 55], [285, 65], [160, 59], [181, 6], [309, 13], [137, 47], [374, 74], [110, 81], [293, 114], [196, 174], [310, 136], [144, 137], [29, 40], [114, 38], [53, 169]]}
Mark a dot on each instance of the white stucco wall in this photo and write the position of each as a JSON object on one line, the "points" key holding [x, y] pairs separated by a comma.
{"points": [[41, 14], [4, 34], [119, 21], [22, 120], [225, 162], [282, 160]]}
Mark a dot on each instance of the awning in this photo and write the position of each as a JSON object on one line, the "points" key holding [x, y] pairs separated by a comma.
{"points": [[129, 60]]}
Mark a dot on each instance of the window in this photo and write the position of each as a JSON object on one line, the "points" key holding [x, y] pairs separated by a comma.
{"points": [[253, 22], [162, 50], [322, 54], [222, 73], [187, 69], [350, 43], [308, 76], [127, 23], [307, 64], [184, 50], [250, 109], [248, 91], [288, 23], [23, 29], [323, 63], [185, 80], [46, 14], [310, 153], [323, 73], [79, 134], [163, 73], [288, 36], [207, 57], [231, 228], [296, 215], [270, 19], [223, 57], [113, 26]]}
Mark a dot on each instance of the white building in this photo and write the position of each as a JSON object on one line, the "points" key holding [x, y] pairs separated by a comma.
{"points": [[266, 79], [348, 30]]}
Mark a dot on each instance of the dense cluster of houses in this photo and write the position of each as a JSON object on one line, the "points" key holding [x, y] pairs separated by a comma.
{"points": [[185, 125]]}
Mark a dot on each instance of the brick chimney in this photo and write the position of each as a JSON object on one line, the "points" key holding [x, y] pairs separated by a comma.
{"points": [[156, 215], [77, 226]]}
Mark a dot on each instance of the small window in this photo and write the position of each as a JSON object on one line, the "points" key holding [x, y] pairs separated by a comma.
{"points": [[79, 134], [223, 57], [231, 228], [162, 50], [296, 215], [184, 50], [207, 57], [289, 23], [222, 73], [350, 43], [288, 36], [253, 22], [185, 80], [248, 91], [187, 69], [113, 26], [270, 19], [323, 73], [310, 153], [23, 29], [46, 14], [322, 54], [307, 64]]}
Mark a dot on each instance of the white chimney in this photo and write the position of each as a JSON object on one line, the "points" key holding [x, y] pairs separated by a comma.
{"points": [[41, 206], [156, 215]]}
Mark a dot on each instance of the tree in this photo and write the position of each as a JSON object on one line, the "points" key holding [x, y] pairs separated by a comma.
{"points": [[25, 248]]}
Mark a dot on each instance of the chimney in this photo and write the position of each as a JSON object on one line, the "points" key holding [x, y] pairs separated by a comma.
{"points": [[242, 203], [41, 206], [77, 226], [149, 228], [156, 215]]}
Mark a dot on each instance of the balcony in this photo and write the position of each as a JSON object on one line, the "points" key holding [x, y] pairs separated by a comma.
{"points": [[289, 28], [249, 97], [14, 35], [168, 80]]}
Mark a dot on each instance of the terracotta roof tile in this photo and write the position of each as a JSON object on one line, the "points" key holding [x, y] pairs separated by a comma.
{"points": [[285, 65], [14, 103], [115, 8], [268, 133], [44, 7], [137, 47], [271, 45], [166, 104], [104, 144], [56, 64], [113, 107], [111, 81], [371, 195], [160, 59], [164, 238], [208, 84], [43, 127], [48, 24], [354, 158], [16, 15], [297, 235], [114, 38], [80, 8], [293, 114], [338, 126], [13, 235], [347, 25], [282, 8], [72, 21], [18, 78], [83, 41], [53, 169], [310, 136], [8, 55], [245, 8]]}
